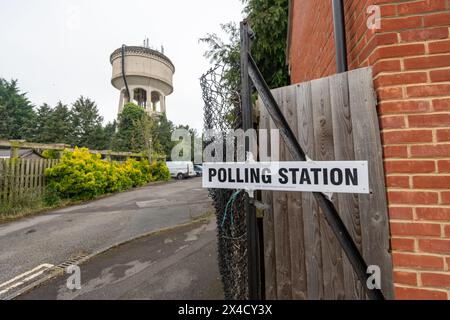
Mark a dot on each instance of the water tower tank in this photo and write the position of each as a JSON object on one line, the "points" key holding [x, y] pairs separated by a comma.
{"points": [[148, 76]]}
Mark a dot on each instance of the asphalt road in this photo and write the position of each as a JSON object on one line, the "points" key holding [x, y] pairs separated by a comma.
{"points": [[177, 264], [57, 236]]}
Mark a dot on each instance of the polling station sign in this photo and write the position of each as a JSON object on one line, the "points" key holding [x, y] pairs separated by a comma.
{"points": [[312, 176]]}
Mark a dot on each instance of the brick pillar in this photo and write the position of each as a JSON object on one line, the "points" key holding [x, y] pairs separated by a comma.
{"points": [[410, 55]]}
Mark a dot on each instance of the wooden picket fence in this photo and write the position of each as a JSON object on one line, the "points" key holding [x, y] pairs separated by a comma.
{"points": [[19, 176]]}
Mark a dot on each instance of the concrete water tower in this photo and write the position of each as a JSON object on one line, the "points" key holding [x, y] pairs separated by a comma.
{"points": [[143, 76]]}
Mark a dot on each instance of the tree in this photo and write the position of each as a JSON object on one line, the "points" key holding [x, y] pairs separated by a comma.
{"points": [[164, 129], [135, 129], [269, 22], [226, 53], [106, 136], [4, 122], [86, 123], [42, 132], [16, 112], [193, 135], [268, 19], [62, 124]]}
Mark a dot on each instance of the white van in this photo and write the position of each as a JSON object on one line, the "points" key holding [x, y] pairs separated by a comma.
{"points": [[181, 169]]}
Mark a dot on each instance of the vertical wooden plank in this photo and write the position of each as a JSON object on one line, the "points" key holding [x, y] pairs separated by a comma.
{"points": [[28, 174], [333, 280], [343, 150], [367, 145], [22, 175], [41, 175], [268, 224], [282, 242], [6, 180], [2, 180], [38, 175], [11, 180], [17, 179], [313, 251], [294, 205], [32, 174], [14, 174]]}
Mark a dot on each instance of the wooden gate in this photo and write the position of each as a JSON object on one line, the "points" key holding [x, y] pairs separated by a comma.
{"points": [[334, 118]]}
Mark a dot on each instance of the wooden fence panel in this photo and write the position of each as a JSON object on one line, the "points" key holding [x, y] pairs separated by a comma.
{"points": [[333, 282], [334, 119], [343, 150], [373, 206], [268, 223], [294, 208], [313, 251], [281, 221], [21, 176]]}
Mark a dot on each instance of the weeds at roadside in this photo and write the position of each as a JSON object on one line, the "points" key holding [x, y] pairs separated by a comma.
{"points": [[25, 204]]}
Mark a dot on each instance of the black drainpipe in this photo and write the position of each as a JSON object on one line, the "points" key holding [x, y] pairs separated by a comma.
{"points": [[339, 36], [123, 73]]}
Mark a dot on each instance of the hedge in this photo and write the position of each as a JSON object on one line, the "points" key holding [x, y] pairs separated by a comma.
{"points": [[81, 175]]}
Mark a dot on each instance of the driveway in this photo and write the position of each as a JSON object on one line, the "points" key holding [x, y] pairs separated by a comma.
{"points": [[176, 264], [30, 245]]}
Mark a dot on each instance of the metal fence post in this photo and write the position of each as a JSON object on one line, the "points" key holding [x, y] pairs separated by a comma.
{"points": [[253, 263]]}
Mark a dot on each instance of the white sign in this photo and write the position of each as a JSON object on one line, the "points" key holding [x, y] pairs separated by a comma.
{"points": [[313, 176]]}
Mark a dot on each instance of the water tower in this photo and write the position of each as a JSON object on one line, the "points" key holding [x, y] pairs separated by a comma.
{"points": [[143, 76]]}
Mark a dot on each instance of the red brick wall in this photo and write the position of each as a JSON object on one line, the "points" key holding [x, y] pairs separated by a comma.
{"points": [[313, 47], [410, 56]]}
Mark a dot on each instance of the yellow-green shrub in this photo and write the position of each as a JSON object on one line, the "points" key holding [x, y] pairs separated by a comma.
{"points": [[138, 172], [82, 175], [50, 154], [159, 171]]}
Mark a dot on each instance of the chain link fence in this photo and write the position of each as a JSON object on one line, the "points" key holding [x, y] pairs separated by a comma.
{"points": [[222, 113]]}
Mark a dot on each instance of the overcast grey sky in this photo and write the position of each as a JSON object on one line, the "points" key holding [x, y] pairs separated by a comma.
{"points": [[59, 49]]}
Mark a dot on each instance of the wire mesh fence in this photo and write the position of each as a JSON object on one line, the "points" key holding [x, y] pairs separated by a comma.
{"points": [[222, 112]]}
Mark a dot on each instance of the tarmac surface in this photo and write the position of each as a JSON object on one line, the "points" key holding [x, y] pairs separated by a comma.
{"points": [[176, 264], [58, 236]]}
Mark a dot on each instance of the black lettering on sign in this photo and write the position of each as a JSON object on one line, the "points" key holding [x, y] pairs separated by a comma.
{"points": [[325, 176], [294, 174], [283, 179], [336, 176], [304, 177], [230, 175], [266, 175], [254, 175], [212, 173], [316, 174], [351, 178], [222, 175], [238, 176]]}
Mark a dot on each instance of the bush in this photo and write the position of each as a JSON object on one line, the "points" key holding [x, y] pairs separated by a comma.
{"points": [[159, 171], [82, 175], [51, 197], [138, 172], [50, 154], [79, 175]]}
